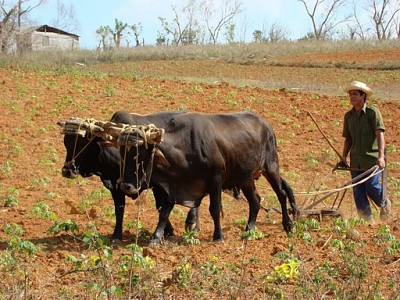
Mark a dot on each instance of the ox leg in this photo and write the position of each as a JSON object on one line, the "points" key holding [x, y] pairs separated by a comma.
{"points": [[159, 195], [276, 183], [119, 208], [215, 211], [192, 222], [249, 191], [163, 220]]}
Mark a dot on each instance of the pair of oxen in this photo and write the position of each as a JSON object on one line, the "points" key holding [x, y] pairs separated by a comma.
{"points": [[182, 157]]}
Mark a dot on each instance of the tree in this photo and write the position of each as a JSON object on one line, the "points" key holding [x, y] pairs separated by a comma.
{"points": [[226, 13], [11, 13], [383, 15], [117, 32], [271, 33], [105, 34], [65, 18], [258, 36], [184, 28], [137, 31], [324, 16], [230, 33], [358, 29]]}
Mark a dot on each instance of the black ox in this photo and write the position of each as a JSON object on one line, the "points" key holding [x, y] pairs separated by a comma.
{"points": [[202, 154], [89, 154]]}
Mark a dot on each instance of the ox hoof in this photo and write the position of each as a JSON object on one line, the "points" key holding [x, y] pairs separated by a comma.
{"points": [[116, 242], [218, 240], [288, 227], [191, 227], [155, 243]]}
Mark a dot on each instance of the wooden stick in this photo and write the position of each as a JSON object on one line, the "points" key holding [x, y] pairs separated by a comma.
{"points": [[326, 138]]}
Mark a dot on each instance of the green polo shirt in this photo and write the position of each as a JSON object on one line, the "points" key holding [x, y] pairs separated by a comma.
{"points": [[361, 129]]}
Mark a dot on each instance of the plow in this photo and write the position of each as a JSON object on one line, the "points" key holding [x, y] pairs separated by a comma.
{"points": [[309, 208], [332, 208]]}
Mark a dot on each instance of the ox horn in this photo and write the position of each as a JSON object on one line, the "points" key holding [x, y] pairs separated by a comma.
{"points": [[61, 123]]}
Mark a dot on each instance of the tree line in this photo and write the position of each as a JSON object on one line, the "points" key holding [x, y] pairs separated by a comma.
{"points": [[212, 22]]}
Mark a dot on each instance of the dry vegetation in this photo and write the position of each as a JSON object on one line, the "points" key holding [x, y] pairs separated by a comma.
{"points": [[53, 235]]}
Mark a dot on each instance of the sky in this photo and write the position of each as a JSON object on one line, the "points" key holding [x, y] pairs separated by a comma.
{"points": [[91, 14]]}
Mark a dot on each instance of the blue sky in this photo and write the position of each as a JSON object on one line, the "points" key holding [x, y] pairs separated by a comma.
{"points": [[91, 14]]}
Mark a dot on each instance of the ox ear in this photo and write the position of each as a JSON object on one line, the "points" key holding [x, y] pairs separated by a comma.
{"points": [[160, 159]]}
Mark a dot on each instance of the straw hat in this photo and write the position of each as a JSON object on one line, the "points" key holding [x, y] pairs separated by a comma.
{"points": [[360, 86]]}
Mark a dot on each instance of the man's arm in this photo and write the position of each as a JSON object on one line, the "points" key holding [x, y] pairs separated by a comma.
{"points": [[346, 148], [380, 137]]}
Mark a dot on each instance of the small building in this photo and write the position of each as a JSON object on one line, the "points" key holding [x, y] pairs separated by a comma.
{"points": [[48, 38]]}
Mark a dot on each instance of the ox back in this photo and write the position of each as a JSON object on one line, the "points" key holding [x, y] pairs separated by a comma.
{"points": [[206, 153], [104, 161]]}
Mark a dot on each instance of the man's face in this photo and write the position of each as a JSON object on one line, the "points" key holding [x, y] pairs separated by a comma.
{"points": [[357, 98]]}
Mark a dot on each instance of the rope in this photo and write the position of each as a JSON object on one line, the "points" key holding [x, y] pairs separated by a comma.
{"points": [[91, 128], [374, 171]]}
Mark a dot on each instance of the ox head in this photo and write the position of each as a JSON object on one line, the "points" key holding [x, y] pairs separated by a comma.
{"points": [[82, 151], [139, 152]]}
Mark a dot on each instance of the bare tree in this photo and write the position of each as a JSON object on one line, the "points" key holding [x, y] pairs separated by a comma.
{"points": [[270, 33], [226, 13], [11, 13], [324, 15], [359, 28], [65, 18], [184, 28], [383, 15], [397, 27]]}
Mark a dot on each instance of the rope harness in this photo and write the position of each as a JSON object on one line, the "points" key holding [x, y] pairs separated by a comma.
{"points": [[79, 128], [135, 136]]}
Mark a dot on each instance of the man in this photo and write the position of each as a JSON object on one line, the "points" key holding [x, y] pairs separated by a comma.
{"points": [[363, 130]]}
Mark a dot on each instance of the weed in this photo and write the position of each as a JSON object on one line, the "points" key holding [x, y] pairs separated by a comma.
{"points": [[49, 155], [5, 168], [42, 182], [284, 273], [15, 262], [110, 90]]}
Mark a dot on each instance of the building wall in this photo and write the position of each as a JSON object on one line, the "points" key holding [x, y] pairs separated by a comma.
{"points": [[53, 41]]}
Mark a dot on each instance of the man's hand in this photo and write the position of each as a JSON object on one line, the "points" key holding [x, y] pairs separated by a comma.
{"points": [[381, 163], [341, 164]]}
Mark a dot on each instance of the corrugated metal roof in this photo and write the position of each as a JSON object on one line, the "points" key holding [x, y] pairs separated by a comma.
{"points": [[46, 28]]}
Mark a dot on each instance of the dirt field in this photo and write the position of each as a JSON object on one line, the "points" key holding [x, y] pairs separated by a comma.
{"points": [[32, 154]]}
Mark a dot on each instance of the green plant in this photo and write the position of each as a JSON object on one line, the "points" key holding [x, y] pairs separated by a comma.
{"points": [[10, 198], [284, 273], [190, 237], [6, 168], [42, 210], [65, 225], [252, 234], [13, 229]]}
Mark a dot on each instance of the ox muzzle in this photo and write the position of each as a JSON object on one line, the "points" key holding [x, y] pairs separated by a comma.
{"points": [[69, 170]]}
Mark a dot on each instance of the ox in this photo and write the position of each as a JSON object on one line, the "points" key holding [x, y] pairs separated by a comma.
{"points": [[196, 155], [89, 154]]}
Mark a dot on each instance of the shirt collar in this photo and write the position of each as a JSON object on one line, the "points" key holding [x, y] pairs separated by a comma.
{"points": [[363, 109]]}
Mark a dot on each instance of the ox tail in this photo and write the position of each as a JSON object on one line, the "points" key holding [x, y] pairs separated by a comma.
{"points": [[289, 192]]}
